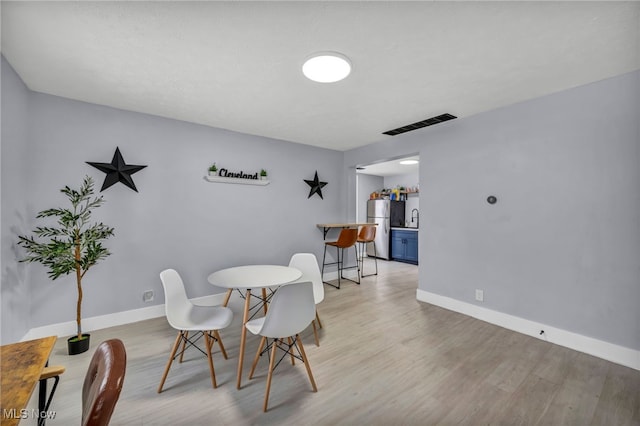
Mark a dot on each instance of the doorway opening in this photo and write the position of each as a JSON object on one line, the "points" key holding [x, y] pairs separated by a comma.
{"points": [[386, 187]]}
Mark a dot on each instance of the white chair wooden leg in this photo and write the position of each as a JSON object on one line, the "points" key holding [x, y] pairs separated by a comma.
{"points": [[293, 359], [184, 345], [257, 357], [272, 362], [315, 332], [306, 363], [173, 354], [208, 344], [219, 339]]}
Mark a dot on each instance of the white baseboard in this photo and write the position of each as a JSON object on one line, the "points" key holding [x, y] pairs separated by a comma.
{"points": [[598, 348], [111, 320], [126, 317]]}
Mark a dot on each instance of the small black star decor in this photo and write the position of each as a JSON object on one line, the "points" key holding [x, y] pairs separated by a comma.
{"points": [[117, 171], [316, 186]]}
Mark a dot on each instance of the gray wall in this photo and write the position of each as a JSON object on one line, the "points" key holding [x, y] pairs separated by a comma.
{"points": [[366, 185], [560, 247], [14, 150], [177, 219], [562, 244]]}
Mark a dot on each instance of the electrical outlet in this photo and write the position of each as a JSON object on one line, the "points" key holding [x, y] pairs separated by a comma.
{"points": [[479, 295], [147, 296]]}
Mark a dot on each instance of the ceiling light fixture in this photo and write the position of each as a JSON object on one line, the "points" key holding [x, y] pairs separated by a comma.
{"points": [[408, 162], [327, 67]]}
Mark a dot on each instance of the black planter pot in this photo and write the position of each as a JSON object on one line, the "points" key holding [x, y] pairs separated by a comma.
{"points": [[75, 346]]}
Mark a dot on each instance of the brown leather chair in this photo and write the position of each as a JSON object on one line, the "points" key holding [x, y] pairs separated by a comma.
{"points": [[347, 239], [367, 235], [103, 383]]}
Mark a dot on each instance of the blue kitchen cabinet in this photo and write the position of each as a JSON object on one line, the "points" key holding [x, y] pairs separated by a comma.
{"points": [[404, 246], [397, 245]]}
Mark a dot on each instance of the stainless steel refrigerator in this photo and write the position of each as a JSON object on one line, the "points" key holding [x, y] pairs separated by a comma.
{"points": [[386, 214]]}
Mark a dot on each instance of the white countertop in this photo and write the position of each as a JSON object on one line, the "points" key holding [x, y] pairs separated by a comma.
{"points": [[394, 228]]}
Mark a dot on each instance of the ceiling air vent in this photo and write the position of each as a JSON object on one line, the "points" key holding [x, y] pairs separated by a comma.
{"points": [[420, 124]]}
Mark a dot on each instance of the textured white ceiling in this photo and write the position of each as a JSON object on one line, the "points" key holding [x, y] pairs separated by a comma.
{"points": [[237, 65]]}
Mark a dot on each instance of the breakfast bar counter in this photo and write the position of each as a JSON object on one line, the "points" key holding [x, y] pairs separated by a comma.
{"points": [[327, 226]]}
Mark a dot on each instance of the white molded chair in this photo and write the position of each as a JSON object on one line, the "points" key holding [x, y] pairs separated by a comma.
{"points": [[186, 317], [308, 264], [291, 310]]}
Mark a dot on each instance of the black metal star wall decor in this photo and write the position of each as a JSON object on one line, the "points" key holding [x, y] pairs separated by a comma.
{"points": [[117, 171], [316, 186]]}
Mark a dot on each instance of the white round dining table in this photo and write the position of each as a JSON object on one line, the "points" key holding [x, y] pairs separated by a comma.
{"points": [[254, 276], [246, 278]]}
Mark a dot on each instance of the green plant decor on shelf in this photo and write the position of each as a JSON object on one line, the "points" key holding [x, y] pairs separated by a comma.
{"points": [[213, 168], [263, 173], [74, 245]]}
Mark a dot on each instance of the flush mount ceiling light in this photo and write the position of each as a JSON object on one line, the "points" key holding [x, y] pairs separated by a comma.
{"points": [[408, 162], [327, 67]]}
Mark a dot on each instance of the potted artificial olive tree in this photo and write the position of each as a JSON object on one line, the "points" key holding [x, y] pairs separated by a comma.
{"points": [[74, 245]]}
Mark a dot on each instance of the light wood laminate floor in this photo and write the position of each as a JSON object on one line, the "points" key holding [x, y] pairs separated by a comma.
{"points": [[384, 358]]}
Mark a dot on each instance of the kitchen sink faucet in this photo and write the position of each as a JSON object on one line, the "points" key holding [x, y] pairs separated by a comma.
{"points": [[416, 217]]}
